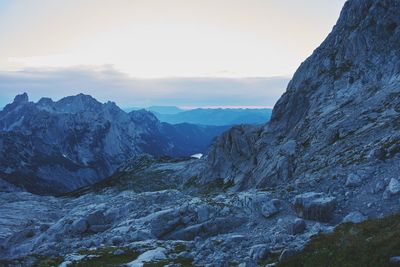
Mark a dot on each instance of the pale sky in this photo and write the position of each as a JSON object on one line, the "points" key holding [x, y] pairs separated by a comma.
{"points": [[159, 39]]}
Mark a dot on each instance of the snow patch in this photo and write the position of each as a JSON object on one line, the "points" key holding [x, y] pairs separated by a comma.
{"points": [[197, 156], [151, 255]]}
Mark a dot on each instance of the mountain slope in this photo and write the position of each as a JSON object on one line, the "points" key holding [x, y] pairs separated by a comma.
{"points": [[340, 110], [51, 147]]}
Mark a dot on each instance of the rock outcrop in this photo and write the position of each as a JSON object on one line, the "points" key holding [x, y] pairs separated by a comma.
{"points": [[315, 206], [336, 127]]}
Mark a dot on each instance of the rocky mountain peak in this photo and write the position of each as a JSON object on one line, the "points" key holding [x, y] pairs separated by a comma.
{"points": [[19, 101], [78, 103], [22, 98], [361, 51], [339, 110]]}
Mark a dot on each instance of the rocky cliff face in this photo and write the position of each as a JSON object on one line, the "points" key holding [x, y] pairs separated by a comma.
{"points": [[50, 147], [339, 115]]}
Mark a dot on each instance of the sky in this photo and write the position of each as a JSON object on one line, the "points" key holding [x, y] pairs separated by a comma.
{"points": [[159, 52]]}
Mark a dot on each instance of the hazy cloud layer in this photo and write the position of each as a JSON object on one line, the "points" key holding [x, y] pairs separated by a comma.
{"points": [[107, 84]]}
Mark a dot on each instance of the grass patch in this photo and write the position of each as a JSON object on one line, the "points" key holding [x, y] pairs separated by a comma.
{"points": [[48, 261], [106, 258], [178, 248], [368, 244], [184, 262], [191, 182]]}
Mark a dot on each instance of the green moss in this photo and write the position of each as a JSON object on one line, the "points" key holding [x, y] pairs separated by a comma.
{"points": [[48, 261], [269, 189], [190, 182], [104, 257], [178, 248], [184, 262], [370, 243], [290, 189]]}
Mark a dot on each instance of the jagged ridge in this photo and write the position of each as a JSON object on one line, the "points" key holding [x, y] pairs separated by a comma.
{"points": [[52, 147]]}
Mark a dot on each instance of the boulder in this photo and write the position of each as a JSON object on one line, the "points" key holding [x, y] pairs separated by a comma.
{"points": [[165, 221], [354, 217], [141, 235], [296, 227], [259, 252], [353, 180], [394, 186], [315, 206], [269, 209], [210, 228], [44, 227], [116, 240], [203, 213], [98, 228], [380, 185], [79, 226], [96, 218], [376, 154], [149, 256], [392, 189]]}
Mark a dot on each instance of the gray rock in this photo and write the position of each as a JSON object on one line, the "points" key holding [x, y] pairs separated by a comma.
{"points": [[203, 213], [165, 222], [376, 154], [354, 217], [98, 228], [207, 229], [380, 185], [394, 186], [259, 252], [315, 206], [269, 209], [117, 240], [353, 180], [140, 235], [79, 226], [44, 227], [296, 227], [96, 218]]}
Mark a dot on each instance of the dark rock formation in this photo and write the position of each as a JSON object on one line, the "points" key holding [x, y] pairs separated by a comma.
{"points": [[53, 147]]}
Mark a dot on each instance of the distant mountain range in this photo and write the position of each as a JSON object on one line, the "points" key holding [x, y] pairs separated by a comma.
{"points": [[53, 147], [211, 116]]}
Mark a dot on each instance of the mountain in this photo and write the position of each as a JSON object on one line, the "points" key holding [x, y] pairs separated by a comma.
{"points": [[216, 117], [157, 109], [338, 117], [317, 185], [52, 147], [165, 110]]}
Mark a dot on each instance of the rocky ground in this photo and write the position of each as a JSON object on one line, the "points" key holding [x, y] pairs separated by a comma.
{"points": [[169, 223]]}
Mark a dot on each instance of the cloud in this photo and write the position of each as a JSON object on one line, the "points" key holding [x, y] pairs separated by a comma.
{"points": [[105, 83]]}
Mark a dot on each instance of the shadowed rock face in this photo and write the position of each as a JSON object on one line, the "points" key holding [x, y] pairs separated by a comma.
{"points": [[53, 147], [340, 113]]}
